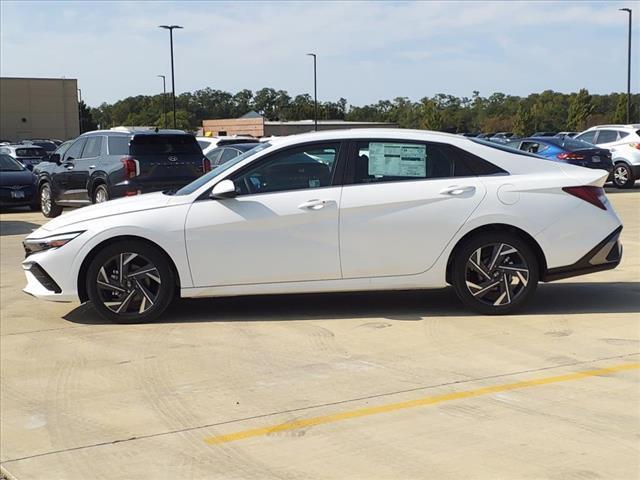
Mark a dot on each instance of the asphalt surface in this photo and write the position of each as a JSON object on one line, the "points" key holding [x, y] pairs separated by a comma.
{"points": [[404, 385]]}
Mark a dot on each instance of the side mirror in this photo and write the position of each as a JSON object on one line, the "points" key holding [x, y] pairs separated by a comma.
{"points": [[55, 158], [224, 189]]}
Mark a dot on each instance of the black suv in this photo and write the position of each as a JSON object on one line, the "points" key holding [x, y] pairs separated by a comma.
{"points": [[120, 162]]}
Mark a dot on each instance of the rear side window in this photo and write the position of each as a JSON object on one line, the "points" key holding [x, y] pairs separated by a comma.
{"points": [[388, 161], [30, 152], [622, 134], [164, 145], [606, 136], [476, 165], [93, 148], [118, 145]]}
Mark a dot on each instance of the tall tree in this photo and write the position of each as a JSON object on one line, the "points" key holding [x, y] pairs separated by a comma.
{"points": [[579, 110], [523, 123]]}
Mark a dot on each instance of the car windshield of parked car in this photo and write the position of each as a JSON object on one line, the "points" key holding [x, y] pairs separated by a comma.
{"points": [[504, 148], [164, 145], [30, 152], [8, 164], [196, 184]]}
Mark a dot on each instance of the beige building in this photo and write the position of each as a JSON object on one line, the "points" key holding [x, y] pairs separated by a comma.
{"points": [[38, 108], [257, 126]]}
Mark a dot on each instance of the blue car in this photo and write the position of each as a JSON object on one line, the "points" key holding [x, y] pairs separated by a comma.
{"points": [[569, 150]]}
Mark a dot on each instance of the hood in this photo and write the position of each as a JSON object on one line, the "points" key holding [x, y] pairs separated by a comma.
{"points": [[119, 206], [23, 177]]}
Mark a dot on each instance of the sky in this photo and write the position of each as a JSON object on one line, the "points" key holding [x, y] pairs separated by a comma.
{"points": [[366, 51]]}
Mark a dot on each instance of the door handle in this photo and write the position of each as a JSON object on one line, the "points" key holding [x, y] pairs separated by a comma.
{"points": [[69, 166], [313, 205], [457, 190], [91, 167]]}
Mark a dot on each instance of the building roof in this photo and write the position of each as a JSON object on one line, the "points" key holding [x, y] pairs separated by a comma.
{"points": [[251, 114]]}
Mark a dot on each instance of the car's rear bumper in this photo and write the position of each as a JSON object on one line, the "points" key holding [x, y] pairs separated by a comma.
{"points": [[604, 256]]}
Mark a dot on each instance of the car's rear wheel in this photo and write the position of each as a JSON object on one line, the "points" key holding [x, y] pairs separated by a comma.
{"points": [[130, 282], [48, 205], [495, 273], [623, 176], [101, 194]]}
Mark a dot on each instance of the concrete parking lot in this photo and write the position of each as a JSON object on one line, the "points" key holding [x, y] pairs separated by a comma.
{"points": [[400, 385]]}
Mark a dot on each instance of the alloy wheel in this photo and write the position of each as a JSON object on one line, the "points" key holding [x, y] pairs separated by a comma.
{"points": [[496, 274], [101, 195], [620, 175], [128, 284], [45, 199]]}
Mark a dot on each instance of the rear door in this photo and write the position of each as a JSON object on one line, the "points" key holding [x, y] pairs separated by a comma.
{"points": [[404, 203], [83, 167], [166, 160]]}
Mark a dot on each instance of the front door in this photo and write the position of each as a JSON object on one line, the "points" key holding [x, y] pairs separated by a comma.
{"points": [[405, 202], [281, 227], [63, 179]]}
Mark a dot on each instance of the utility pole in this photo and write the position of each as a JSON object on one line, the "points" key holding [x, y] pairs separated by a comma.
{"points": [[80, 110], [173, 78], [628, 10], [315, 91]]}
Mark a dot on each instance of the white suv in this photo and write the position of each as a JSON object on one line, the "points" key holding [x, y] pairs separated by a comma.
{"points": [[624, 143]]}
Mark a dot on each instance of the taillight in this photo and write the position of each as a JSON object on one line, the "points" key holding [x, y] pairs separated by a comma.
{"points": [[593, 195], [570, 156], [206, 165], [635, 145], [131, 167]]}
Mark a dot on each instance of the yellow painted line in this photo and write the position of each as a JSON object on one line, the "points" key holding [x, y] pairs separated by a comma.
{"points": [[419, 402]]}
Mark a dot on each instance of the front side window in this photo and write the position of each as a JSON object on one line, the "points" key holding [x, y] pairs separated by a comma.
{"points": [[299, 168], [607, 136], [75, 150], [380, 161], [588, 137]]}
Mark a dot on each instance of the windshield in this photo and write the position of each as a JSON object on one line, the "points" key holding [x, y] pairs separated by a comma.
{"points": [[196, 184], [8, 164]]}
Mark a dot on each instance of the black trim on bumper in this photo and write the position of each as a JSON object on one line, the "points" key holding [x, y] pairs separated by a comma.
{"points": [[604, 256], [44, 278]]}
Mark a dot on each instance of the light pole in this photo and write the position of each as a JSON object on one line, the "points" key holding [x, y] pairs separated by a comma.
{"points": [[164, 99], [315, 92], [628, 10], [173, 78], [80, 109]]}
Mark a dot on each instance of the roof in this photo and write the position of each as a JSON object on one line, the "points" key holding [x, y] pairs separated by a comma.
{"points": [[251, 114], [324, 122]]}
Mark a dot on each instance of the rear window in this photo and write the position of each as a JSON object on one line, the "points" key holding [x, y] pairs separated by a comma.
{"points": [[118, 145], [48, 146], [30, 152], [572, 144], [164, 145]]}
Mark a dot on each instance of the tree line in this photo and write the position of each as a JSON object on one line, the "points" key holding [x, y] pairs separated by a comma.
{"points": [[546, 111]]}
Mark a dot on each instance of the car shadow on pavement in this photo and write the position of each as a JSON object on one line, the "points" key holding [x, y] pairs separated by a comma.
{"points": [[550, 299], [16, 227]]}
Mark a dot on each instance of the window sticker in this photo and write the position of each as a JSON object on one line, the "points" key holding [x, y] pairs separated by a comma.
{"points": [[397, 160]]}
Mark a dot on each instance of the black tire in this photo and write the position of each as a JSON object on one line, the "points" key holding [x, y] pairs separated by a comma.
{"points": [[48, 205], [127, 292], [623, 176], [506, 261], [100, 194]]}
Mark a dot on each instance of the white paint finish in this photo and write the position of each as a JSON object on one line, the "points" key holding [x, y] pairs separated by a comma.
{"points": [[393, 235], [401, 228], [281, 238]]}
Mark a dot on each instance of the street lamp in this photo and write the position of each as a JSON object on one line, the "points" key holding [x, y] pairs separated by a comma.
{"points": [[173, 79], [628, 10], [315, 91], [164, 99], [80, 109]]}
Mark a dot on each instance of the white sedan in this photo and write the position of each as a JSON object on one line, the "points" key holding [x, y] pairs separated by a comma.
{"points": [[336, 211]]}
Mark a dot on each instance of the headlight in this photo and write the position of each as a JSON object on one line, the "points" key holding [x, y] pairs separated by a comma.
{"points": [[35, 245]]}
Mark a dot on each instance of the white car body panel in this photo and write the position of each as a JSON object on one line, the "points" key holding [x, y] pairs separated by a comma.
{"points": [[365, 237]]}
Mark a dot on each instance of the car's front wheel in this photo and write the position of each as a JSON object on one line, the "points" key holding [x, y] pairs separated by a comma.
{"points": [[48, 205], [130, 282], [495, 273], [623, 176]]}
